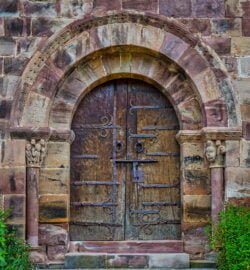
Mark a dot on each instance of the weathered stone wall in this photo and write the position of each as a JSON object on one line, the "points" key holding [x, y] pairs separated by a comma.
{"points": [[26, 26]]}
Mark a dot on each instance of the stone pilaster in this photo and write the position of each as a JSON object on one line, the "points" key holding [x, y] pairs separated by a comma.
{"points": [[215, 152], [35, 153]]}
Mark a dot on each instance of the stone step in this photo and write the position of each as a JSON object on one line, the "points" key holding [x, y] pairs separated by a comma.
{"points": [[159, 246], [202, 264], [60, 266], [130, 260]]}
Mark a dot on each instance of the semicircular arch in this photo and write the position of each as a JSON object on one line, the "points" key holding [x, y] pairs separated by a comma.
{"points": [[159, 37]]}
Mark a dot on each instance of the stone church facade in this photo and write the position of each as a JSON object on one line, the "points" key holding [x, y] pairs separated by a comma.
{"points": [[125, 125]]}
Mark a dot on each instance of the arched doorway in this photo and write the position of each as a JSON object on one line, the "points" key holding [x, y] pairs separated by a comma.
{"points": [[125, 171]]}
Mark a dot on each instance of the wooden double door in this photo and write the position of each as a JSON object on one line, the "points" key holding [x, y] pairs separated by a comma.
{"points": [[125, 165]]}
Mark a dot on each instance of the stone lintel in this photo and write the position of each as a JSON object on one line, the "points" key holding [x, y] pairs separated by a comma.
{"points": [[222, 133], [189, 136], [46, 133], [209, 133]]}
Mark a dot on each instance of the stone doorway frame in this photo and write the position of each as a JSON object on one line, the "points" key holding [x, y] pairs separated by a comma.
{"points": [[49, 94]]}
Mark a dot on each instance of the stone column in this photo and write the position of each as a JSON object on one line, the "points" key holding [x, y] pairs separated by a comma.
{"points": [[215, 151], [35, 153]]}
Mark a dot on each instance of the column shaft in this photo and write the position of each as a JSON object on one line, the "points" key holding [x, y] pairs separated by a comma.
{"points": [[32, 205], [217, 187]]}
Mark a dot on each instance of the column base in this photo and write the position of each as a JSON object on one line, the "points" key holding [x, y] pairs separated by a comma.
{"points": [[37, 255]]}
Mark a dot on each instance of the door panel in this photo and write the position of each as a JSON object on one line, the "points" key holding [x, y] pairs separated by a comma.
{"points": [[125, 165], [95, 181], [150, 210]]}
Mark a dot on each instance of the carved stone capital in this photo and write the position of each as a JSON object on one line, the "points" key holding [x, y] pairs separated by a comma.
{"points": [[35, 152], [215, 152]]}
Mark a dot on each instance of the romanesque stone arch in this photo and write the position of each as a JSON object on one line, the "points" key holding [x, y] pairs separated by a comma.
{"points": [[160, 36], [157, 50]]}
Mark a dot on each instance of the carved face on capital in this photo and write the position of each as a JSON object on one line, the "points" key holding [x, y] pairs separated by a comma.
{"points": [[210, 151], [28, 147]]}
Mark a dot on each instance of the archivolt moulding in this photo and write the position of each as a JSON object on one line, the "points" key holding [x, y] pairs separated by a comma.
{"points": [[157, 36]]}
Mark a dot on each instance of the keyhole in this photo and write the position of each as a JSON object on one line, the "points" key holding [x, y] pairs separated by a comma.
{"points": [[139, 147], [118, 146]]}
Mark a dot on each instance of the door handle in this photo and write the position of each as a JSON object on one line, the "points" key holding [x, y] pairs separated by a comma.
{"points": [[138, 175]]}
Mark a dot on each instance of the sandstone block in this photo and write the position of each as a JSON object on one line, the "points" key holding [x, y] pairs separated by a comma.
{"points": [[16, 205], [100, 6], [237, 182], [190, 114], [127, 261], [9, 85], [8, 8], [152, 5], [245, 5], [192, 62], [72, 8], [222, 45], [246, 130], [230, 26], [12, 180], [216, 113], [230, 63], [232, 157], [246, 27], [240, 201], [175, 8], [5, 108], [14, 66], [1, 26], [53, 208], [7, 46], [45, 27], [196, 182], [36, 113], [62, 59], [198, 25], [174, 47], [52, 235], [196, 242], [174, 260], [37, 257], [1, 202], [58, 155], [1, 72], [54, 181], [13, 152], [42, 8], [196, 208], [233, 8], [17, 26], [193, 156], [56, 253], [61, 114], [245, 112], [208, 8], [243, 89], [241, 46], [226, 89], [207, 81], [72, 87], [244, 66], [46, 80], [245, 153], [77, 260], [26, 46]]}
